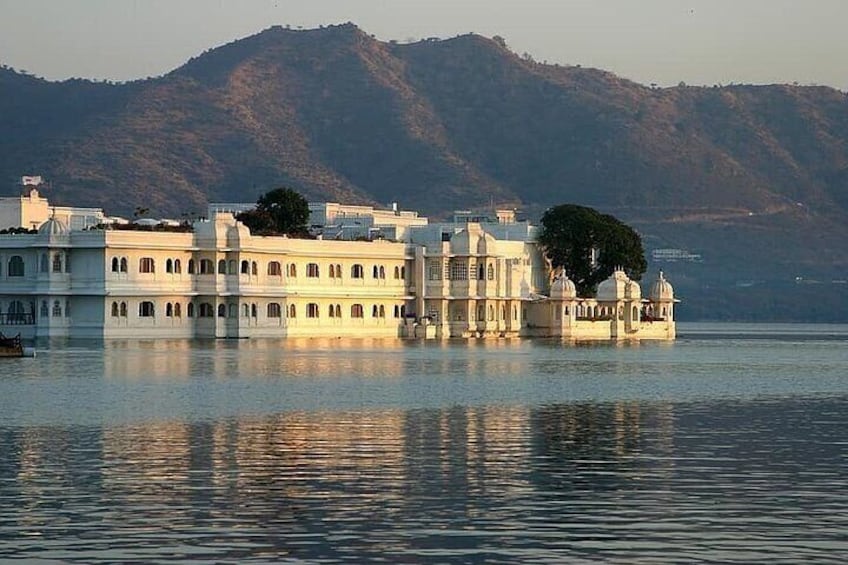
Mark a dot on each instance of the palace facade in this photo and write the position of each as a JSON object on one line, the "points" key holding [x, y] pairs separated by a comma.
{"points": [[473, 277]]}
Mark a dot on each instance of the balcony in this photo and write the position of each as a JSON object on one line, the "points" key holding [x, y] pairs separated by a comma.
{"points": [[16, 319]]}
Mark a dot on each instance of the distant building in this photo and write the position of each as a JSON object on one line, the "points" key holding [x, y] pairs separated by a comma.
{"points": [[670, 255], [216, 279], [30, 210]]}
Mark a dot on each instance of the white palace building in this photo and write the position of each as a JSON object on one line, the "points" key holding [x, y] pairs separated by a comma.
{"points": [[474, 277]]}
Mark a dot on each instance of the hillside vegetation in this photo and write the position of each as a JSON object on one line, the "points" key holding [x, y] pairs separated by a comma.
{"points": [[754, 179]]}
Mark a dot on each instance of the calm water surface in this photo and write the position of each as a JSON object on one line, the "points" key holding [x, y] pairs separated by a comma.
{"points": [[729, 445]]}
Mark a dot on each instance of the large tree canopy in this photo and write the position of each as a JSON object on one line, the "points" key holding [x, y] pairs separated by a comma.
{"points": [[280, 211], [570, 233]]}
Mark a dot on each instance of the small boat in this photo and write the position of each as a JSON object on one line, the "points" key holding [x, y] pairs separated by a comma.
{"points": [[12, 347]]}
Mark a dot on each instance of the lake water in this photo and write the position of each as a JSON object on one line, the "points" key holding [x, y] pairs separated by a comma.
{"points": [[728, 445]]}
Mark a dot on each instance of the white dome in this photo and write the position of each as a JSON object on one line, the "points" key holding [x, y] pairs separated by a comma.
{"points": [[563, 287], [661, 290], [615, 287], [53, 227], [633, 291]]}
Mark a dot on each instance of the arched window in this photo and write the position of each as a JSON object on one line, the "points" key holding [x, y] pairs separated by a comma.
{"points": [[481, 272], [338, 310], [123, 309], [356, 311], [146, 309], [191, 266], [222, 267], [357, 271], [274, 270], [114, 309], [57, 263], [332, 272], [169, 310], [312, 310], [124, 264], [178, 267], [207, 267], [16, 266], [403, 272], [245, 310], [397, 272], [332, 309], [146, 265], [169, 267], [178, 310], [382, 272], [44, 264], [245, 267], [491, 312], [374, 311], [16, 311], [222, 310], [402, 311], [292, 311], [382, 311], [491, 273], [396, 311], [253, 310], [254, 268], [338, 271], [274, 310], [312, 270], [190, 307], [292, 270], [375, 272], [206, 310]]}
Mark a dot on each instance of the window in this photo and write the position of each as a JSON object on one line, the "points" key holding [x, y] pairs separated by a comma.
{"points": [[396, 312], [311, 310], [169, 267], [397, 272], [178, 311], [169, 309], [253, 310], [146, 309], [206, 310], [191, 266], [146, 265], [190, 307], [481, 272], [338, 310], [458, 270], [178, 267], [274, 271], [57, 263], [403, 272], [434, 270], [292, 311], [374, 311], [222, 310], [207, 267], [254, 268], [245, 268], [274, 309], [491, 273], [114, 309], [245, 310], [16, 266], [292, 270], [332, 309], [402, 311], [123, 264], [44, 264], [222, 267], [382, 311], [375, 272], [123, 309], [338, 271], [382, 272], [356, 311], [312, 270], [45, 309], [357, 272]]}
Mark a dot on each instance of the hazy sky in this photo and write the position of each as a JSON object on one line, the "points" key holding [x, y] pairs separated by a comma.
{"points": [[651, 41]]}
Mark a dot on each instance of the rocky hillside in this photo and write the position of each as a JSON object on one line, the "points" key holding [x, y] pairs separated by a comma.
{"points": [[753, 179]]}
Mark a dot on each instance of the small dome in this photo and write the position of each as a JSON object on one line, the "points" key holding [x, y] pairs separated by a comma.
{"points": [[661, 290], [563, 287], [53, 227], [615, 287]]}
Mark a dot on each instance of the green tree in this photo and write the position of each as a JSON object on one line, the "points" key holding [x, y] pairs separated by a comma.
{"points": [[280, 211], [570, 235]]}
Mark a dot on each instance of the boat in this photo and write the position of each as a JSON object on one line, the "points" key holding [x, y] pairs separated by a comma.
{"points": [[12, 347]]}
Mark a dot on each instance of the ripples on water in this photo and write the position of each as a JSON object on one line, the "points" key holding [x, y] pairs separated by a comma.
{"points": [[496, 453]]}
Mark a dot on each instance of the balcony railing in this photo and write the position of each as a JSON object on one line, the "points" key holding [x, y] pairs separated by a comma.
{"points": [[15, 319]]}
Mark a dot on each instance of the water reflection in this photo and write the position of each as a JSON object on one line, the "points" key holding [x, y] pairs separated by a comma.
{"points": [[621, 481]]}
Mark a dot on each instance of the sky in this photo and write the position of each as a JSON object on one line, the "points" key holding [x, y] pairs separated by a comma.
{"points": [[650, 41]]}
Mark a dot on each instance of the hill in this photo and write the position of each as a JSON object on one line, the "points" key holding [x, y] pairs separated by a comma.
{"points": [[751, 180]]}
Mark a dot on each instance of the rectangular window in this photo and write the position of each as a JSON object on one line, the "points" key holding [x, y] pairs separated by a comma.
{"points": [[458, 270], [146, 265]]}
